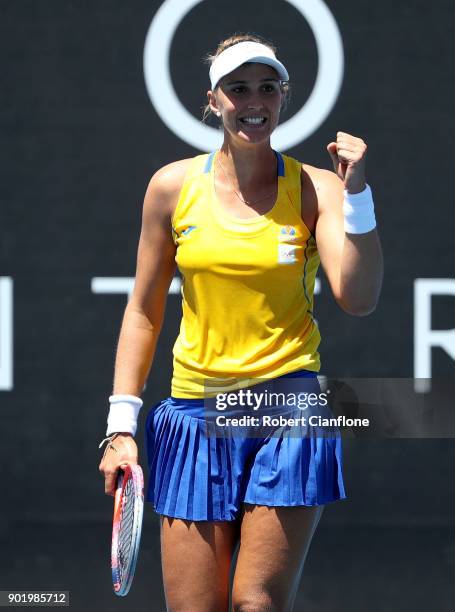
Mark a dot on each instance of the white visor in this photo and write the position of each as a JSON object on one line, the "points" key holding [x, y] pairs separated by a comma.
{"points": [[241, 53]]}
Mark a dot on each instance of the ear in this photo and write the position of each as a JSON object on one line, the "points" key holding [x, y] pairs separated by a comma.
{"points": [[213, 104], [284, 88]]}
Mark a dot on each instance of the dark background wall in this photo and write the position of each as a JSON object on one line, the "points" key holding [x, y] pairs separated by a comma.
{"points": [[80, 140]]}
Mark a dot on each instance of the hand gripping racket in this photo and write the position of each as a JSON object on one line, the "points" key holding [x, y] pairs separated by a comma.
{"points": [[127, 527]]}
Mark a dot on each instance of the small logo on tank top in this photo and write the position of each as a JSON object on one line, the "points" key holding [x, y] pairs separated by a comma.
{"points": [[287, 233]]}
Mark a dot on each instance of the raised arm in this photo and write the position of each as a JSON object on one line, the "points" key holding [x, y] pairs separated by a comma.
{"points": [[353, 263]]}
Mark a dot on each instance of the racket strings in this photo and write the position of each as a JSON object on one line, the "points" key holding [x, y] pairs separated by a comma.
{"points": [[126, 529]]}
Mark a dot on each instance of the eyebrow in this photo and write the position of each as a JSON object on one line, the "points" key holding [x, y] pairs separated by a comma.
{"points": [[270, 79]]}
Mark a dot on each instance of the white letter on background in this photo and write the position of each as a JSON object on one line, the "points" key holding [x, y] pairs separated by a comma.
{"points": [[6, 333], [425, 337], [125, 284]]}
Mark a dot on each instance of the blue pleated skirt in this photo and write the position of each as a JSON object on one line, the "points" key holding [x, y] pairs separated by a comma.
{"points": [[201, 477]]}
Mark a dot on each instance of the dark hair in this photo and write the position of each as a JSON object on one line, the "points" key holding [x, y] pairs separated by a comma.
{"points": [[233, 40]]}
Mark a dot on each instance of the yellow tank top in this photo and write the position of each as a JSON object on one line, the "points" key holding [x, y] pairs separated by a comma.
{"points": [[247, 287]]}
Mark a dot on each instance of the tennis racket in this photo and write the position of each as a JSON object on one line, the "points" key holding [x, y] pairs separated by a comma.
{"points": [[126, 527]]}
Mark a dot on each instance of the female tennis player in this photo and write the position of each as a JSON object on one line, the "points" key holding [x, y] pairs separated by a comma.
{"points": [[247, 228]]}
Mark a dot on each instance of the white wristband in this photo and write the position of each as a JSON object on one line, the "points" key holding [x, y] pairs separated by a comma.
{"points": [[358, 210], [123, 414]]}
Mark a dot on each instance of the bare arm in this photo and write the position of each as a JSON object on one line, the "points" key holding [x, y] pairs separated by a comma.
{"points": [[144, 313], [353, 263]]}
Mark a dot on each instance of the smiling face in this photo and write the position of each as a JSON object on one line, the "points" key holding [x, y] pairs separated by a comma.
{"points": [[249, 100]]}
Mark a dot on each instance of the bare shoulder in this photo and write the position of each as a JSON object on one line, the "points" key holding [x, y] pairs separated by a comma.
{"points": [[164, 187], [322, 186], [320, 179]]}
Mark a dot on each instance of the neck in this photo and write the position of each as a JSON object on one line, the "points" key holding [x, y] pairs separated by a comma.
{"points": [[249, 165]]}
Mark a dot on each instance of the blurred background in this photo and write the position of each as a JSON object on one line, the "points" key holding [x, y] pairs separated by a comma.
{"points": [[80, 139]]}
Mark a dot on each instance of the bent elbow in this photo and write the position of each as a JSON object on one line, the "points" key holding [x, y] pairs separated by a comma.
{"points": [[359, 309]]}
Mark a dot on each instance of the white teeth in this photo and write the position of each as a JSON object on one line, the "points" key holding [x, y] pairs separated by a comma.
{"points": [[254, 120]]}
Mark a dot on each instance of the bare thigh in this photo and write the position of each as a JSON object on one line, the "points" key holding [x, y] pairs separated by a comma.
{"points": [[274, 543], [196, 558]]}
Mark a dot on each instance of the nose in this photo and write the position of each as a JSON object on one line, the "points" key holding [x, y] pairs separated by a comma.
{"points": [[255, 102]]}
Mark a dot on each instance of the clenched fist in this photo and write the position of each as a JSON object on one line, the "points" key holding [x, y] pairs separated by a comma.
{"points": [[348, 156]]}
